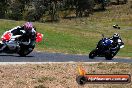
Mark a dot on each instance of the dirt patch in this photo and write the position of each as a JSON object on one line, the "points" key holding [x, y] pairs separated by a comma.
{"points": [[58, 75]]}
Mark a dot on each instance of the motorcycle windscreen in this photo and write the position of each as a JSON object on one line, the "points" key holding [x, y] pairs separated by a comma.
{"points": [[39, 37], [107, 42], [6, 36]]}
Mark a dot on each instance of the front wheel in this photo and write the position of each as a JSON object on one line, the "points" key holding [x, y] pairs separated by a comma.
{"points": [[92, 54]]}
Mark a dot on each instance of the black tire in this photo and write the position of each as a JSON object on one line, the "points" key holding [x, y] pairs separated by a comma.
{"points": [[113, 54], [116, 52], [92, 54], [25, 51], [108, 55], [81, 80]]}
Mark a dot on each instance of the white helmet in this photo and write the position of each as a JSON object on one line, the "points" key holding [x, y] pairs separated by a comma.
{"points": [[116, 36]]}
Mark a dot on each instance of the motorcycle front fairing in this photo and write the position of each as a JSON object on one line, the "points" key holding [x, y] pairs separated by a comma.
{"points": [[103, 46], [12, 46], [9, 42]]}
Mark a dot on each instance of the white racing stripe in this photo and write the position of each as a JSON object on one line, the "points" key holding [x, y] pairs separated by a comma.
{"points": [[70, 62]]}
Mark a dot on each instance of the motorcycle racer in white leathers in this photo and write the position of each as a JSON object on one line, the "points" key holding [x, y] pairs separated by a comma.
{"points": [[26, 29]]}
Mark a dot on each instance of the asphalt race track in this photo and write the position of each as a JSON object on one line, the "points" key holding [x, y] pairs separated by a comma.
{"points": [[56, 57]]}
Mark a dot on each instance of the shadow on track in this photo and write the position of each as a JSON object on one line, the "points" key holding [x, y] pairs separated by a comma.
{"points": [[24, 56], [13, 55], [6, 55]]}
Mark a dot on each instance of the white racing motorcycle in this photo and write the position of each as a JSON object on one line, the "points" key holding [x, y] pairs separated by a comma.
{"points": [[18, 43]]}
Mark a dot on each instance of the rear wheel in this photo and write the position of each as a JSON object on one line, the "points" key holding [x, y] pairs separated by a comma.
{"points": [[92, 54], [116, 52], [111, 54], [108, 55], [25, 50]]}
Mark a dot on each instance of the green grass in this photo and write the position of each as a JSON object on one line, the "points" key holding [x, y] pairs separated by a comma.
{"points": [[80, 36]]}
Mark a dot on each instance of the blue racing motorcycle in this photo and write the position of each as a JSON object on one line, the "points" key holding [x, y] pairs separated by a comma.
{"points": [[104, 49]]}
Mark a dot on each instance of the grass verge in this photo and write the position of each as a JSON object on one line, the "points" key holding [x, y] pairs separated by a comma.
{"points": [[80, 35]]}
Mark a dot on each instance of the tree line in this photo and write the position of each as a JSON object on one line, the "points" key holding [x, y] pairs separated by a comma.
{"points": [[43, 10]]}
